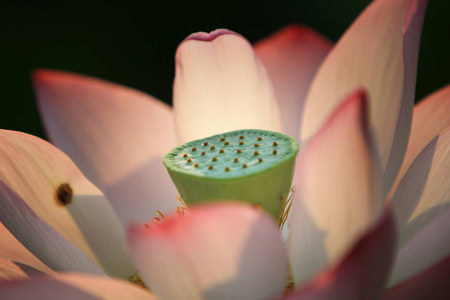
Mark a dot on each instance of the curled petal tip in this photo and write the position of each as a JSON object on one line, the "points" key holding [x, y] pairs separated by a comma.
{"points": [[208, 37]]}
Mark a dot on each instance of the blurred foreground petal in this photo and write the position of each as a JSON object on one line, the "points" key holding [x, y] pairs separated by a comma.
{"points": [[430, 284], [219, 251], [72, 287], [363, 271]]}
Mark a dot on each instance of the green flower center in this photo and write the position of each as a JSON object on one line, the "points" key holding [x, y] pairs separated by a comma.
{"points": [[253, 166]]}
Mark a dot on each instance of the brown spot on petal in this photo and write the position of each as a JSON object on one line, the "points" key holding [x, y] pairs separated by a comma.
{"points": [[64, 194]]}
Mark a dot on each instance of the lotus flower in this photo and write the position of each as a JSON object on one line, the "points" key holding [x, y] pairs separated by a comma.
{"points": [[370, 215]]}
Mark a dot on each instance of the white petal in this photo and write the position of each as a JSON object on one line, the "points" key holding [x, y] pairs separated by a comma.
{"points": [[337, 189], [221, 251], [378, 52], [72, 287], [117, 136], [34, 177], [431, 116], [291, 57], [220, 85]]}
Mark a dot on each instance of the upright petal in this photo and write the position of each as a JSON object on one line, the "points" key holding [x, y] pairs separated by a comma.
{"points": [[58, 215], [422, 206], [428, 247], [363, 271], [220, 85], [431, 116], [219, 251], [117, 136], [337, 190], [379, 52], [424, 192], [72, 287], [291, 57]]}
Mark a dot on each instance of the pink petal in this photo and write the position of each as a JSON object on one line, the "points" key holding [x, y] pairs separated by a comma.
{"points": [[219, 251], [291, 57], [220, 85], [12, 249], [337, 189], [427, 247], [430, 284], [379, 52], [117, 136], [58, 215], [431, 116], [363, 271], [422, 199], [10, 270], [71, 287]]}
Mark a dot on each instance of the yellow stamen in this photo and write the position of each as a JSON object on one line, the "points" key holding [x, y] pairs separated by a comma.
{"points": [[136, 279], [290, 284], [180, 212], [286, 208]]}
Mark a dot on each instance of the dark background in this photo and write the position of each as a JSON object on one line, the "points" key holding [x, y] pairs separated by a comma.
{"points": [[134, 45]]}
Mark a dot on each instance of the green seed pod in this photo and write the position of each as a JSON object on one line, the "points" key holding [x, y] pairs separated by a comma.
{"points": [[260, 177]]}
